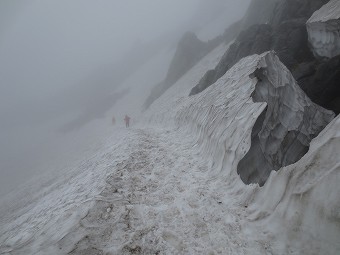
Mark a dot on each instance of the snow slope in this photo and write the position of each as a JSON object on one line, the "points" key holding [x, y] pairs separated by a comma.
{"points": [[170, 185], [299, 205], [220, 120]]}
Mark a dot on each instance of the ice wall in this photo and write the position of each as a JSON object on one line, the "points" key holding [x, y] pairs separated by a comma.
{"points": [[324, 30], [297, 209], [282, 134], [254, 119], [300, 203]]}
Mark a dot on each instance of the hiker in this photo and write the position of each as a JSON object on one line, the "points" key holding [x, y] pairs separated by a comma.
{"points": [[113, 120], [127, 121]]}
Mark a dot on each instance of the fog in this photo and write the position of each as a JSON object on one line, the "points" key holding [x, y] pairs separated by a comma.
{"points": [[61, 66]]}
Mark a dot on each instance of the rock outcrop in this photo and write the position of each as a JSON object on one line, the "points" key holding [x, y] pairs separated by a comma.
{"points": [[289, 40], [189, 51], [324, 30], [320, 81], [255, 40], [231, 32], [286, 10], [287, 36], [264, 8]]}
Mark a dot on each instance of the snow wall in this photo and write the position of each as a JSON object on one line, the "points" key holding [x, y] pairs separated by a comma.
{"points": [[299, 202]]}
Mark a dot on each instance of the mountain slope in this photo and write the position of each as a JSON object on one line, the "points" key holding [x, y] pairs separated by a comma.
{"points": [[176, 182], [176, 189]]}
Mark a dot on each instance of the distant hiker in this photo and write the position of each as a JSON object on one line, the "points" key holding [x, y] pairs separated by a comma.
{"points": [[113, 120], [127, 121]]}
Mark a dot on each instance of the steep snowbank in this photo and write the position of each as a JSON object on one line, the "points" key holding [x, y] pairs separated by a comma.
{"points": [[324, 30], [162, 111], [177, 191], [37, 221], [281, 135], [297, 209], [300, 203]]}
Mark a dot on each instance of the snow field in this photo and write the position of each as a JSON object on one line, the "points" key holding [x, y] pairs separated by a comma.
{"points": [[170, 185]]}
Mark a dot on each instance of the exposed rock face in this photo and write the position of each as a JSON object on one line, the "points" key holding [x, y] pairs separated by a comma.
{"points": [[288, 37], [275, 12], [259, 12], [255, 40], [189, 51], [294, 9], [289, 40], [324, 30], [232, 31], [282, 133], [320, 81]]}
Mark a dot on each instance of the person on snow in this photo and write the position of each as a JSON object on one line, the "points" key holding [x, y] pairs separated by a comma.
{"points": [[127, 121], [113, 120]]}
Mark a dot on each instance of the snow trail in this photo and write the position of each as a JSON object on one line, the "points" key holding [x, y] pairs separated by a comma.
{"points": [[151, 190], [158, 201], [149, 194]]}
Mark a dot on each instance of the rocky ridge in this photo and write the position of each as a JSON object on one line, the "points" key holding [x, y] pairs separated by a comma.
{"points": [[286, 34]]}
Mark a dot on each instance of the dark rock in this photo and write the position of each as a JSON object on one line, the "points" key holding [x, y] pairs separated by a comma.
{"points": [[208, 78], [189, 51], [320, 81], [286, 35], [232, 31], [255, 40], [290, 42], [259, 12], [295, 9]]}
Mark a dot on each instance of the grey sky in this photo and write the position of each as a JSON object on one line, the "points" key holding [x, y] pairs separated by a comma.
{"points": [[48, 47]]}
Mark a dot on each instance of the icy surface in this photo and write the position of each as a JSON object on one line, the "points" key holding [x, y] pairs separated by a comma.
{"points": [[282, 133], [324, 30], [221, 119], [300, 204], [227, 112], [170, 186]]}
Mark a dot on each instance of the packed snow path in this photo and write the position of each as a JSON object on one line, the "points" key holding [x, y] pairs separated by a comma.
{"points": [[147, 194], [156, 191], [158, 201]]}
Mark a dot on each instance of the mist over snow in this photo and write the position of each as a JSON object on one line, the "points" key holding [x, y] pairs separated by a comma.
{"points": [[169, 127], [61, 62]]}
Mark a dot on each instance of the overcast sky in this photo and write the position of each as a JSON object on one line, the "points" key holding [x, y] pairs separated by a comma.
{"points": [[47, 47]]}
